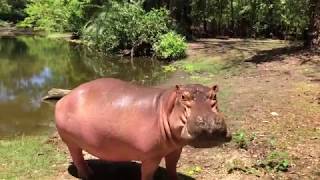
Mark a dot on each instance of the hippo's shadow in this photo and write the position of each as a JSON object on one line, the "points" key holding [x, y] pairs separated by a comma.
{"points": [[120, 171]]}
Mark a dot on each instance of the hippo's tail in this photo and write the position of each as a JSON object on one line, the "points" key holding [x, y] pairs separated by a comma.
{"points": [[56, 94]]}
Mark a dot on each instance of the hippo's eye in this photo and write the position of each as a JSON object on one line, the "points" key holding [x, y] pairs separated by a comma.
{"points": [[214, 103], [213, 97], [186, 96]]}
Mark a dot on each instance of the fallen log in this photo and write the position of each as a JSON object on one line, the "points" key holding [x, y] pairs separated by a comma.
{"points": [[222, 37], [56, 94]]}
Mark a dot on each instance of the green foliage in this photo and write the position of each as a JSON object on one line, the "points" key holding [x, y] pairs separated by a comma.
{"points": [[246, 18], [55, 15], [12, 10], [193, 170], [242, 139], [240, 165], [125, 26], [4, 7], [169, 68], [275, 161], [170, 46], [280, 18]]}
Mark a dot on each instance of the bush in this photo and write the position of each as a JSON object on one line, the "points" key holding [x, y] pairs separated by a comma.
{"points": [[55, 15], [126, 26], [170, 46]]}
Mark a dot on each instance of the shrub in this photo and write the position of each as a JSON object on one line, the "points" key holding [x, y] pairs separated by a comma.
{"points": [[55, 15], [170, 46], [126, 26]]}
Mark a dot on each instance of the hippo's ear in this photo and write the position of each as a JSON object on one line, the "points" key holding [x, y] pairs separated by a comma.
{"points": [[215, 88], [171, 100], [178, 87]]}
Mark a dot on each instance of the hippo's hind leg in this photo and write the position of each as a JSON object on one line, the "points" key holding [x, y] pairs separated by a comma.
{"points": [[83, 169], [171, 163]]}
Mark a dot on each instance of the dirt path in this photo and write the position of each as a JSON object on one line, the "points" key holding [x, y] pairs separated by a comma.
{"points": [[274, 100], [277, 98]]}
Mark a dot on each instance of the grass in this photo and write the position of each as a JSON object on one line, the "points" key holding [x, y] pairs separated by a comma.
{"points": [[221, 57], [29, 158], [242, 139], [193, 170], [275, 161]]}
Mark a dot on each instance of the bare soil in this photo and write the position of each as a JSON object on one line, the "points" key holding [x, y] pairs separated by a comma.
{"points": [[275, 98]]}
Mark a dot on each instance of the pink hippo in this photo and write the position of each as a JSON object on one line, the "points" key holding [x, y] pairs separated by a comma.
{"points": [[119, 121]]}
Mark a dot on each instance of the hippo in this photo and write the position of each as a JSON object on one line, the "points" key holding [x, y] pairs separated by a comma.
{"points": [[119, 121]]}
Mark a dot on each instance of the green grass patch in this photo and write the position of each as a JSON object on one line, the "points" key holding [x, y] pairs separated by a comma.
{"points": [[193, 170], [200, 66], [240, 165], [224, 60], [275, 161], [29, 158], [242, 139]]}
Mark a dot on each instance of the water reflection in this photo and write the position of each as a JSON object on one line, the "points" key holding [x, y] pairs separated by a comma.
{"points": [[30, 66]]}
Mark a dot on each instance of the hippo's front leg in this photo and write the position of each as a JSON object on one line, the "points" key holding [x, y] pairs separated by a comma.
{"points": [[148, 168], [171, 163]]}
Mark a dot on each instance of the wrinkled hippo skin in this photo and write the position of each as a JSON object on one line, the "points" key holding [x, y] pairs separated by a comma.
{"points": [[118, 121]]}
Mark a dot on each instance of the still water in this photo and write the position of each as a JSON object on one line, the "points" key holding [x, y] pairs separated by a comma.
{"points": [[30, 66]]}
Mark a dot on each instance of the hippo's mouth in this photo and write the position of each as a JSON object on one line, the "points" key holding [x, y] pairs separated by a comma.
{"points": [[203, 142]]}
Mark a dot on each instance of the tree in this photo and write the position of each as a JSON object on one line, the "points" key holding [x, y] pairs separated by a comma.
{"points": [[314, 29], [4, 7], [12, 10]]}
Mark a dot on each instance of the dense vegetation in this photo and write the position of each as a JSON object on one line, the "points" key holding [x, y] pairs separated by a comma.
{"points": [[170, 46], [12, 10], [141, 22], [126, 26], [57, 15]]}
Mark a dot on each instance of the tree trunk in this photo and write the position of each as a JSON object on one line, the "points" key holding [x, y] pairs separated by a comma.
{"points": [[232, 17], [220, 18], [205, 23], [132, 52], [253, 18], [186, 20], [270, 14], [313, 40]]}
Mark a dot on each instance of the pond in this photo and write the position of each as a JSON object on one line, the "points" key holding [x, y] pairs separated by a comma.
{"points": [[30, 66]]}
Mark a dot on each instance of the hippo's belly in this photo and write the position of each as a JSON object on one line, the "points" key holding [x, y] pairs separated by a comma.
{"points": [[113, 139]]}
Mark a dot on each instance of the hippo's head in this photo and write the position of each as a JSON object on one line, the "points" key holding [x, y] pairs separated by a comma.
{"points": [[195, 117]]}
